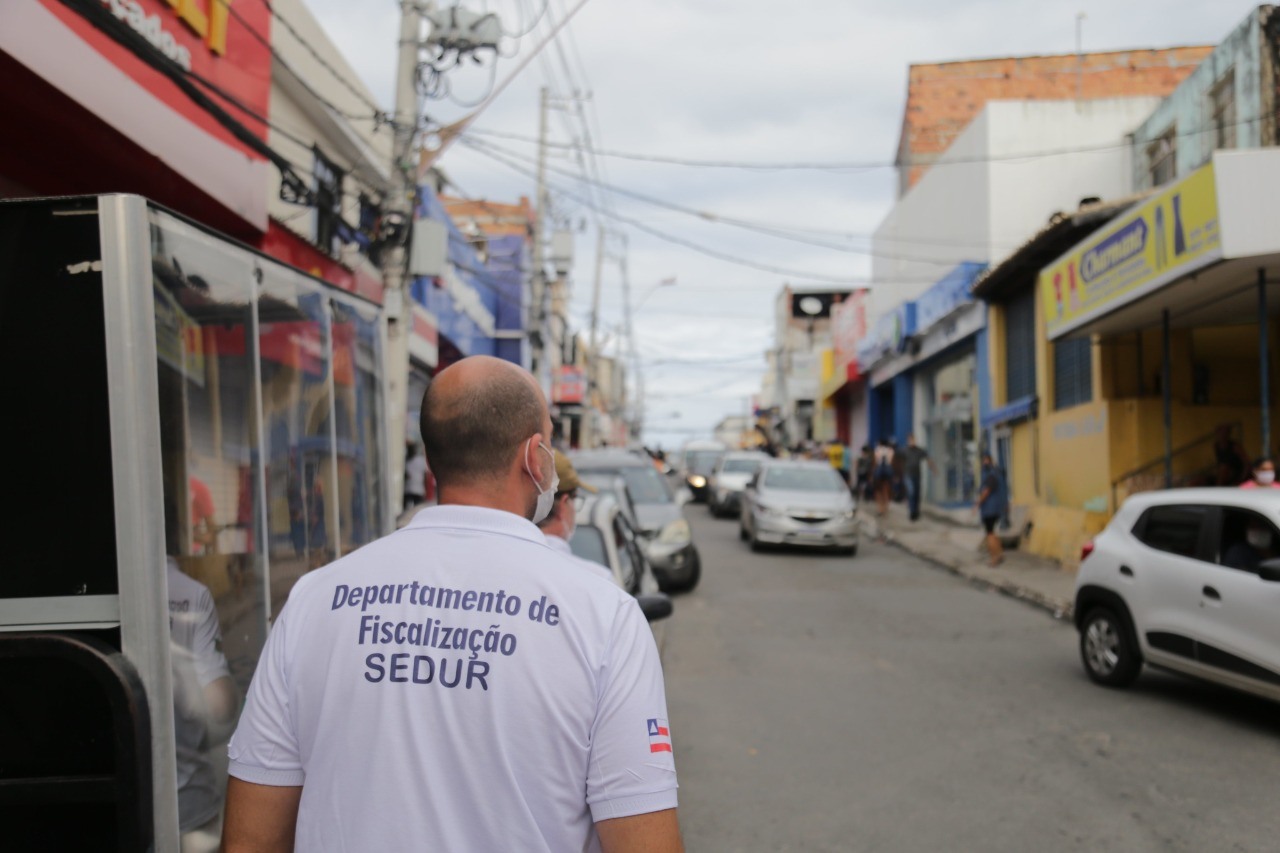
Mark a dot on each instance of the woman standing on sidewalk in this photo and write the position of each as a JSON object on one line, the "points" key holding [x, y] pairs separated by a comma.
{"points": [[991, 506], [1264, 475]]}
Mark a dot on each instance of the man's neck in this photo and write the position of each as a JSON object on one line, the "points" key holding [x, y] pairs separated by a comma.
{"points": [[507, 500]]}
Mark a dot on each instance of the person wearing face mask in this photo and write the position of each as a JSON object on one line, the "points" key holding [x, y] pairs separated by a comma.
{"points": [[1257, 545], [460, 684], [1264, 475], [560, 524]]}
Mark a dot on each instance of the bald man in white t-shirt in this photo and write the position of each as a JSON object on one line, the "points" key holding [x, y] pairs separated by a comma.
{"points": [[459, 685]]}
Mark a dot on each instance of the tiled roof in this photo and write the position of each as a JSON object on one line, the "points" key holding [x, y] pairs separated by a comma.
{"points": [[942, 98]]}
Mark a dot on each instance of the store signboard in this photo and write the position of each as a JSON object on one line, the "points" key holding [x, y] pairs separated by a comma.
{"points": [[890, 334], [179, 342], [1158, 241], [848, 327], [951, 292], [77, 50], [570, 385]]}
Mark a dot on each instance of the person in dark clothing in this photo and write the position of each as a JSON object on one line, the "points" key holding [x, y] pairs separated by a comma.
{"points": [[914, 457], [866, 461], [992, 502], [1231, 461]]}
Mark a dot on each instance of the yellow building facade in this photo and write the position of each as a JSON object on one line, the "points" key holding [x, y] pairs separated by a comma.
{"points": [[1160, 274]]}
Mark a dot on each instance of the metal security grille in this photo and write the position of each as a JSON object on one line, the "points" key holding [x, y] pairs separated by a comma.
{"points": [[1072, 373], [1020, 345]]}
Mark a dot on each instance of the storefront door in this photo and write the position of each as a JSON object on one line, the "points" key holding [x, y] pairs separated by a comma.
{"points": [[951, 432]]}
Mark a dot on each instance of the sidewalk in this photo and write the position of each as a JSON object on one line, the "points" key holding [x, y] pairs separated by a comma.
{"points": [[959, 549]]}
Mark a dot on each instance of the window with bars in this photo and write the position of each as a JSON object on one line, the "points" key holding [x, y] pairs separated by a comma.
{"points": [[1020, 345], [1162, 156], [1072, 373], [1222, 106]]}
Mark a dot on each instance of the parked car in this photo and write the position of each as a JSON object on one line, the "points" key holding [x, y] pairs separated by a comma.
{"points": [[729, 480], [612, 484], [1186, 580], [603, 535], [793, 502], [666, 538], [696, 464]]}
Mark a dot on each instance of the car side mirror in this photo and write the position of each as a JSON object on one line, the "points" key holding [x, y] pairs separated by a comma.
{"points": [[1269, 570], [655, 605]]}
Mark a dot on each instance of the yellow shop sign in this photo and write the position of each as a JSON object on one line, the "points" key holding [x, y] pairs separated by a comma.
{"points": [[1158, 241]]}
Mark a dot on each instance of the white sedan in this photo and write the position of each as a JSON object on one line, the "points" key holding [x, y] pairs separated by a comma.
{"points": [[1186, 580], [603, 535]]}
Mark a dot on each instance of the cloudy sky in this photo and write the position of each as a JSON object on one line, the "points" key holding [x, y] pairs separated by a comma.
{"points": [[811, 82]]}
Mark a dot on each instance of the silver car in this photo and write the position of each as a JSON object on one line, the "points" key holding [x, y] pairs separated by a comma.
{"points": [[729, 480], [799, 503], [666, 538], [603, 535]]}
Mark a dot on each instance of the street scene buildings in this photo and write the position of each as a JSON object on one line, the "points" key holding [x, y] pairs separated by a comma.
{"points": [[236, 251]]}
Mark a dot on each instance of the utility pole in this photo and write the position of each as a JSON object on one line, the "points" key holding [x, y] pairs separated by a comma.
{"points": [[538, 284], [593, 367], [395, 259], [633, 354]]}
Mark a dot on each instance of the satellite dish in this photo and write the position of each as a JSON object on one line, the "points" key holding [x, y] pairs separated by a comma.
{"points": [[811, 305]]}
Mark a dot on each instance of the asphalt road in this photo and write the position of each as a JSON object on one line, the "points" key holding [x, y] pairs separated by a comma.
{"points": [[877, 703]]}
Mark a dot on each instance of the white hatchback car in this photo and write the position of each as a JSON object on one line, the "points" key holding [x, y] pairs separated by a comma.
{"points": [[1186, 580]]}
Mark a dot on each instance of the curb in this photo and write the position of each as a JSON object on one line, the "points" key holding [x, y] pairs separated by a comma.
{"points": [[1057, 609]]}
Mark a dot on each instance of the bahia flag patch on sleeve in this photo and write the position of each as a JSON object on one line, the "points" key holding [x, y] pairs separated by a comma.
{"points": [[659, 736]]}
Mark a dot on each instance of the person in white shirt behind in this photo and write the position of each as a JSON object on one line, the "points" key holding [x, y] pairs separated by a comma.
{"points": [[559, 526], [459, 685]]}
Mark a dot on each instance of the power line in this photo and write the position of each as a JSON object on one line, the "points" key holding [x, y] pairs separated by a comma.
{"points": [[708, 216], [863, 165], [713, 253]]}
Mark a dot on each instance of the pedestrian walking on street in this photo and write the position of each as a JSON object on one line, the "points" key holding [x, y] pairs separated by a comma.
{"points": [[415, 476], [992, 506], [914, 456], [866, 462], [882, 477], [458, 684]]}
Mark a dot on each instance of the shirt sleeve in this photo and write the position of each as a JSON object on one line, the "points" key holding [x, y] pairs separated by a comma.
{"points": [[632, 769], [264, 749]]}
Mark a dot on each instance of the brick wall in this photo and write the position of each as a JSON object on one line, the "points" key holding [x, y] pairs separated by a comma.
{"points": [[943, 98]]}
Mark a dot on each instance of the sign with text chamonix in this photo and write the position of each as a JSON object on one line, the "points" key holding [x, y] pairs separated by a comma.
{"points": [[1158, 241]]}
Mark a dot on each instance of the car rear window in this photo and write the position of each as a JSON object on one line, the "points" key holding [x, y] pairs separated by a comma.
{"points": [[588, 544], [1173, 529], [741, 466]]}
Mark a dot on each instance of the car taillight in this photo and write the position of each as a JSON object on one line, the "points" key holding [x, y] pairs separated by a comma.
{"points": [[1086, 550]]}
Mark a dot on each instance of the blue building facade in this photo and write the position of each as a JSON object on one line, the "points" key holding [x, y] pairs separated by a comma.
{"points": [[924, 358]]}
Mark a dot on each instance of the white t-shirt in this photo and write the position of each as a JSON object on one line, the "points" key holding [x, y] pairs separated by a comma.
{"points": [[196, 654], [561, 545], [458, 685]]}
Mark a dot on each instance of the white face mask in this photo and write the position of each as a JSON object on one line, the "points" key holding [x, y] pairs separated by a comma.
{"points": [[546, 497], [1259, 539], [1265, 478]]}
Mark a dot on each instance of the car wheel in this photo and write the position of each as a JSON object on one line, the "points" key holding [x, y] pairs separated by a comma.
{"points": [[1107, 649], [756, 544], [692, 574]]}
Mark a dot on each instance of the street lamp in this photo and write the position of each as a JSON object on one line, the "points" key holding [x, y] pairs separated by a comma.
{"points": [[666, 282]]}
